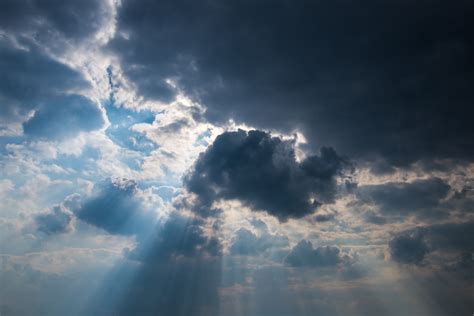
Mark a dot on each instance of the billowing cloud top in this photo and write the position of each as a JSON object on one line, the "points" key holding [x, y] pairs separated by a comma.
{"points": [[262, 171]]}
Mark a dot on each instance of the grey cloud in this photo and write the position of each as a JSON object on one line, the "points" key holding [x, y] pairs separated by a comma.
{"points": [[247, 243], [32, 35], [176, 257], [63, 117], [408, 249], [177, 286], [358, 78], [262, 172], [179, 263], [463, 265], [116, 208], [32, 81], [420, 197], [179, 272], [29, 77], [451, 236], [414, 245], [55, 222], [47, 21], [324, 217], [303, 254], [177, 236]]}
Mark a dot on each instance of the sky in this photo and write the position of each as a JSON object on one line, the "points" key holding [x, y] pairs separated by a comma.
{"points": [[231, 158]]}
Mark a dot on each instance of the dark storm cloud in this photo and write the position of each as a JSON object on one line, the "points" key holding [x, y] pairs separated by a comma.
{"points": [[262, 172], [389, 78], [32, 81], [303, 254], [55, 222], [421, 197], [46, 20], [116, 208], [247, 243], [29, 78], [414, 245]]}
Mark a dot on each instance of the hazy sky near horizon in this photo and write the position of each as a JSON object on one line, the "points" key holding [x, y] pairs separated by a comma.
{"points": [[236, 157]]}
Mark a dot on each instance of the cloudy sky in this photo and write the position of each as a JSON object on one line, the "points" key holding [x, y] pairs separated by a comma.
{"points": [[236, 157]]}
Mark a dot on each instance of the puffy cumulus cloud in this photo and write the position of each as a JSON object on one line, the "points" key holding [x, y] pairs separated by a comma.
{"points": [[422, 197], [117, 207], [247, 243], [405, 96], [55, 222], [303, 254], [262, 171]]}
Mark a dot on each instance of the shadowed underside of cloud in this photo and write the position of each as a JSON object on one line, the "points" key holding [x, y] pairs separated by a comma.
{"points": [[32, 81], [408, 249], [262, 171], [413, 246], [116, 208], [50, 21], [358, 78], [29, 78], [420, 197], [33, 34], [178, 270], [63, 117], [55, 222], [178, 236]]}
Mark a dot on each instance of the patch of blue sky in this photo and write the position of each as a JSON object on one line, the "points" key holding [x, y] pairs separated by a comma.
{"points": [[201, 139], [86, 160], [132, 162], [121, 120], [166, 188]]}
